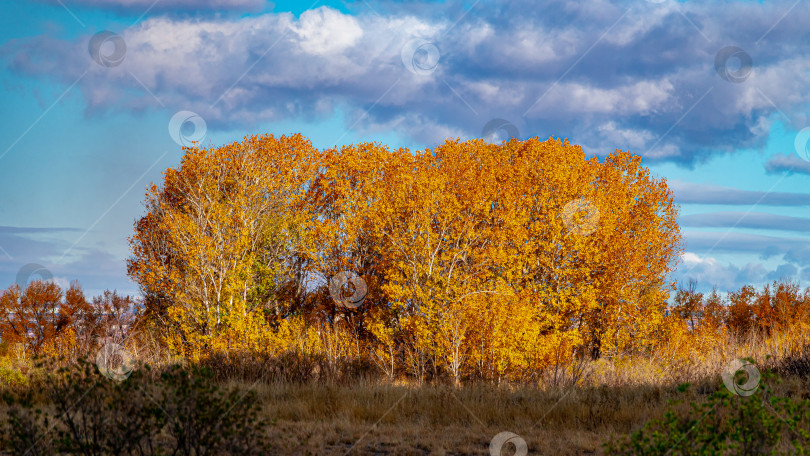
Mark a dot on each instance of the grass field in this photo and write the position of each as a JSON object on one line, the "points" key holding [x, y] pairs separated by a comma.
{"points": [[373, 419], [376, 417], [398, 419]]}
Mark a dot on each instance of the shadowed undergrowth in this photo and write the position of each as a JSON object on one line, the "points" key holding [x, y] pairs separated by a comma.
{"points": [[298, 404], [177, 410], [76, 410]]}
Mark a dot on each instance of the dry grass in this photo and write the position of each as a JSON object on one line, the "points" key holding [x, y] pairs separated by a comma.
{"points": [[369, 416], [612, 397], [400, 419], [375, 418]]}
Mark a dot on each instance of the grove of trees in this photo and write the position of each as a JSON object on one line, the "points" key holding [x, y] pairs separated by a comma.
{"points": [[43, 319], [481, 260], [471, 261]]}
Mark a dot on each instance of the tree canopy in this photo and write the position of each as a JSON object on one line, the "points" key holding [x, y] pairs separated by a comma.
{"points": [[479, 259]]}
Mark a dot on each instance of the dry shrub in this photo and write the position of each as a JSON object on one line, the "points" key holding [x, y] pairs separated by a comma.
{"points": [[77, 410], [288, 367]]}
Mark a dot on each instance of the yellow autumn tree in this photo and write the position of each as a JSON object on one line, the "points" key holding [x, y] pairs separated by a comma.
{"points": [[481, 260], [217, 240]]}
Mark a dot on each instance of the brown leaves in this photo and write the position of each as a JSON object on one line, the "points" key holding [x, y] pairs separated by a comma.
{"points": [[45, 319]]}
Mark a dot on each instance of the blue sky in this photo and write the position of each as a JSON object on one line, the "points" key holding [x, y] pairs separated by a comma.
{"points": [[713, 95]]}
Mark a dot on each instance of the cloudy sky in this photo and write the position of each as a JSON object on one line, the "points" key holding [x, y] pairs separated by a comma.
{"points": [[98, 96]]}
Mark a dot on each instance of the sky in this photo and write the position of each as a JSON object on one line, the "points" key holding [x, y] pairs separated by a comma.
{"points": [[98, 96]]}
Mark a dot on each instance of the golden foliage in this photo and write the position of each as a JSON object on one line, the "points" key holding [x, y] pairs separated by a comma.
{"points": [[481, 260]]}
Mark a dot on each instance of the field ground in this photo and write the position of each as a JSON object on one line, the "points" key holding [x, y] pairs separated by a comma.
{"points": [[612, 398], [369, 419]]}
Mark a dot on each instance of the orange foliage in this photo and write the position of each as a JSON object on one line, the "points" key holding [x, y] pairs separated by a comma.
{"points": [[45, 320], [481, 260]]}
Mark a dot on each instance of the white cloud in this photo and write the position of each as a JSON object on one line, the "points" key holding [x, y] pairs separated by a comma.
{"points": [[636, 140], [652, 76], [63, 282], [325, 30], [642, 97], [709, 272], [787, 163]]}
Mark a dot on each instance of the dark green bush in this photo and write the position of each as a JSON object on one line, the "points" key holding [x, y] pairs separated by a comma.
{"points": [[98, 416], [25, 430], [76, 410], [724, 424], [203, 419]]}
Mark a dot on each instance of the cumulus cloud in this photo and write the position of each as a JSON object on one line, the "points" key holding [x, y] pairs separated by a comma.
{"points": [[799, 255], [708, 272], [637, 76], [783, 271], [793, 252], [326, 31]]}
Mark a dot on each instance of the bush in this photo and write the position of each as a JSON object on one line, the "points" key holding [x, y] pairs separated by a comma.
{"points": [[795, 364], [724, 424], [203, 419], [25, 430], [98, 416], [180, 412]]}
